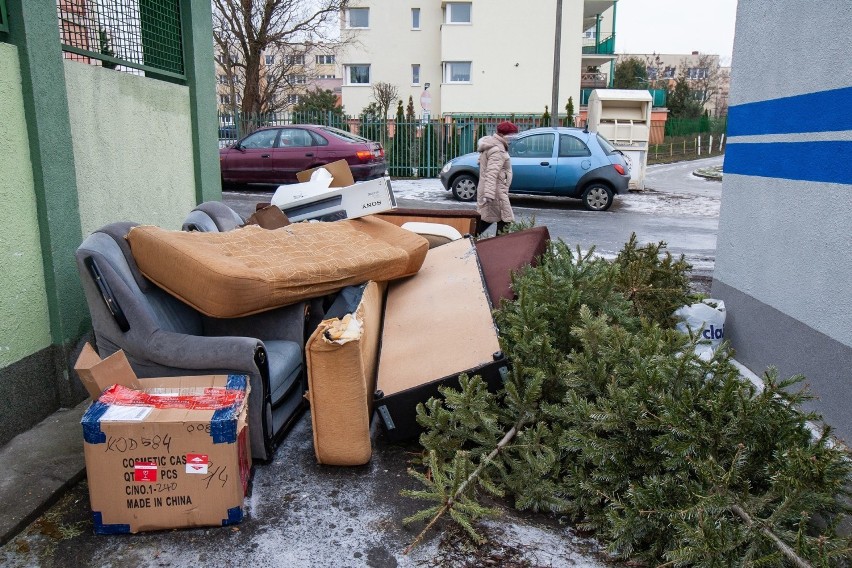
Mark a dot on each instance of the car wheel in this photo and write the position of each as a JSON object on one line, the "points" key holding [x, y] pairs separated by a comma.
{"points": [[464, 188], [597, 197]]}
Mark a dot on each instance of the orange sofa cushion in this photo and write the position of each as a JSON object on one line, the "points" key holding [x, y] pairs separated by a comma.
{"points": [[250, 269], [342, 380]]}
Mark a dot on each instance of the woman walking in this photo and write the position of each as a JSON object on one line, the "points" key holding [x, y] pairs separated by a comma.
{"points": [[495, 177]]}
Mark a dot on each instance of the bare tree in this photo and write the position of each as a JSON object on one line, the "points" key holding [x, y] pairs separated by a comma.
{"points": [[384, 95], [246, 31], [659, 74], [704, 77]]}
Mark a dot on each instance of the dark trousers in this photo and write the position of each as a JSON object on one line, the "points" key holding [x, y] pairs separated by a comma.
{"points": [[482, 226]]}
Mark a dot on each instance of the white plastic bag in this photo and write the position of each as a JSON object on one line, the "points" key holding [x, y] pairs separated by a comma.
{"points": [[708, 318]]}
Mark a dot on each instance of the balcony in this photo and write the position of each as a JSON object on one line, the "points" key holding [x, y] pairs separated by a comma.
{"points": [[604, 45], [594, 81]]}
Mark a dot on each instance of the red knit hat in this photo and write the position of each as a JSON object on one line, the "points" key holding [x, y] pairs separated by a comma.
{"points": [[506, 128]]}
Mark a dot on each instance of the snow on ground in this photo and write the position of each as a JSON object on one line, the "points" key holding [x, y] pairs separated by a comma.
{"points": [[651, 202]]}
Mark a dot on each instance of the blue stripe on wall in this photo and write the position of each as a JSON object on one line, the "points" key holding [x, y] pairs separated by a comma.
{"points": [[807, 161], [825, 111]]}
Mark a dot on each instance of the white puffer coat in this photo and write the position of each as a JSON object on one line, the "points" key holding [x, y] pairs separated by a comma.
{"points": [[495, 177]]}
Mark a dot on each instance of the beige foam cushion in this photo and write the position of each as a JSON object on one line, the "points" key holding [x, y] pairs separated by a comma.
{"points": [[250, 269], [341, 382]]}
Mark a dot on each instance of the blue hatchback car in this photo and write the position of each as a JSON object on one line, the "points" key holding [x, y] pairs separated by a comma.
{"points": [[566, 162]]}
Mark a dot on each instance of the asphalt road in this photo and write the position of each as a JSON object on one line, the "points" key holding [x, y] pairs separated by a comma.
{"points": [[676, 207]]}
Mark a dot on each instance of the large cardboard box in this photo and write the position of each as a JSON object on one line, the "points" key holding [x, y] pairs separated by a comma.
{"points": [[173, 455]]}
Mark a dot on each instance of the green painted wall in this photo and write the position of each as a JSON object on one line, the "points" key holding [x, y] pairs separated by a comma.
{"points": [[24, 325], [132, 139]]}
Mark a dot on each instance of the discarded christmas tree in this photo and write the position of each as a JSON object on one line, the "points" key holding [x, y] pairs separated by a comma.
{"points": [[609, 417]]}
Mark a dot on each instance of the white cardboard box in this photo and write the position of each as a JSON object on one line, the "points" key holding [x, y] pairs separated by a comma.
{"points": [[351, 202]]}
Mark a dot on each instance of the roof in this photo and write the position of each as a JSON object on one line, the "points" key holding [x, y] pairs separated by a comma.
{"points": [[622, 95]]}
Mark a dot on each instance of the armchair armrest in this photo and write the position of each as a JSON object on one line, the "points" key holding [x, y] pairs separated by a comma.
{"points": [[181, 351]]}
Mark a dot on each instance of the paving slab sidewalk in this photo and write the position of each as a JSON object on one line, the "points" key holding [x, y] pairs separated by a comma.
{"points": [[299, 513]]}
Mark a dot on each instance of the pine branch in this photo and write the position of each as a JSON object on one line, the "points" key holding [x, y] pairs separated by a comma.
{"points": [[463, 487], [781, 545]]}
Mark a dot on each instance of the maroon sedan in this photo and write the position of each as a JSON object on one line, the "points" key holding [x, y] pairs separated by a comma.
{"points": [[275, 154]]}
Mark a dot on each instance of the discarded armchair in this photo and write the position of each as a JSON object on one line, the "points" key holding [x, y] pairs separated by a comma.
{"points": [[163, 336], [212, 216]]}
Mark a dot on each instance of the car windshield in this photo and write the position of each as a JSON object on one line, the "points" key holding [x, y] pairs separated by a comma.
{"points": [[343, 135], [608, 148]]}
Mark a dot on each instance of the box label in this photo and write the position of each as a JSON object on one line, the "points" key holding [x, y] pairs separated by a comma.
{"points": [[197, 463], [145, 472], [118, 413]]}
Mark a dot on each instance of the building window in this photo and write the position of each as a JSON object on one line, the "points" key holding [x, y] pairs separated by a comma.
{"points": [[270, 59], [357, 74], [325, 59], [358, 18], [292, 99], [297, 79], [223, 79], [415, 74], [295, 59], [415, 18], [669, 72], [458, 13], [225, 99], [457, 72], [697, 72], [326, 76]]}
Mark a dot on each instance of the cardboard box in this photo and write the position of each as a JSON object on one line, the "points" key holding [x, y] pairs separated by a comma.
{"points": [[173, 455], [341, 175], [335, 199]]}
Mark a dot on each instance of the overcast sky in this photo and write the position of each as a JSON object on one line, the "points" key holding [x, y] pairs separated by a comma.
{"points": [[676, 26]]}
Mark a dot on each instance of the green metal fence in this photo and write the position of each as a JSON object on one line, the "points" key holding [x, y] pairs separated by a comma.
{"points": [[136, 36], [4, 18], [693, 126], [419, 148]]}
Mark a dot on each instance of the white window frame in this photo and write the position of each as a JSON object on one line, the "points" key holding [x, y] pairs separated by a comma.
{"points": [[292, 99], [325, 59], [326, 76], [415, 18], [696, 73], [415, 74], [295, 59], [448, 75], [269, 59], [348, 76], [448, 14], [297, 79], [349, 18]]}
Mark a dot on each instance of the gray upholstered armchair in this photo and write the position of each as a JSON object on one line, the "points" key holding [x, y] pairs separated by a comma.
{"points": [[212, 216], [162, 336]]}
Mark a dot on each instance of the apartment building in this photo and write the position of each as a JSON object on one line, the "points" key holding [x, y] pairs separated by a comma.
{"points": [[480, 56], [703, 71], [287, 73]]}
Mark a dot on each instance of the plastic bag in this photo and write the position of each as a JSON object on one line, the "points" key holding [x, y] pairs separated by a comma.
{"points": [[708, 318]]}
